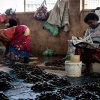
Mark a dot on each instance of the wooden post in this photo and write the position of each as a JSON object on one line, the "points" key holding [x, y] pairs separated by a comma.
{"points": [[24, 5], [83, 4]]}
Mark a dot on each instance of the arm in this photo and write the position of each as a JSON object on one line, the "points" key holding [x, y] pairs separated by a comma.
{"points": [[3, 38], [87, 33]]}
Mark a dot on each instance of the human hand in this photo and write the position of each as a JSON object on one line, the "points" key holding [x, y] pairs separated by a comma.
{"points": [[98, 49], [80, 38]]}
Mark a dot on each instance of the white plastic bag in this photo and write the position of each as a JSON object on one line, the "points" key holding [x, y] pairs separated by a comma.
{"points": [[71, 48]]}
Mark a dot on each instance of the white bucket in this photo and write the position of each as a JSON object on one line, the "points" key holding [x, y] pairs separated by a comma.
{"points": [[73, 69]]}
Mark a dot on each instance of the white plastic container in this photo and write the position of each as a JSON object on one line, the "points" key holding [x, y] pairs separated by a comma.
{"points": [[73, 69]]}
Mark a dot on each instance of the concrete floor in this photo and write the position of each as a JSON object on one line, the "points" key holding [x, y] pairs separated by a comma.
{"points": [[96, 67], [39, 61]]}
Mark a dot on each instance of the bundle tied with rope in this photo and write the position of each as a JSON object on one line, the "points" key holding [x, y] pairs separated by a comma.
{"points": [[41, 12]]}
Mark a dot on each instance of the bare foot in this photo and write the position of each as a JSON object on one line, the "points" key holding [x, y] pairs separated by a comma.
{"points": [[95, 58], [88, 69]]}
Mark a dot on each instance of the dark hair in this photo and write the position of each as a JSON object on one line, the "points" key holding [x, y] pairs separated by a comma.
{"points": [[12, 22], [90, 16]]}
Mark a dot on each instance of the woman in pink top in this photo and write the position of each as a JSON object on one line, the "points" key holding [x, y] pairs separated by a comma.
{"points": [[17, 37]]}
